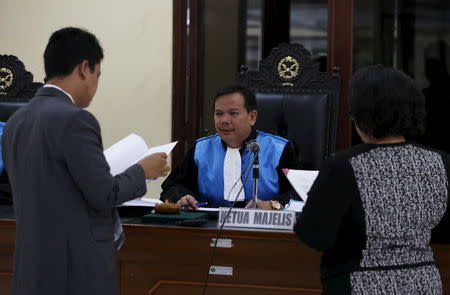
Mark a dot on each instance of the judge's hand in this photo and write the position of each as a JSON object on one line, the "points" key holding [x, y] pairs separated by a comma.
{"points": [[155, 165], [260, 205], [188, 202]]}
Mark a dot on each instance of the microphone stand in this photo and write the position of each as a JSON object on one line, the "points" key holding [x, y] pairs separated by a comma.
{"points": [[255, 180]]}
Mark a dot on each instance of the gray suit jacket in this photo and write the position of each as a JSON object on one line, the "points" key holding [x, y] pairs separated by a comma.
{"points": [[64, 198]]}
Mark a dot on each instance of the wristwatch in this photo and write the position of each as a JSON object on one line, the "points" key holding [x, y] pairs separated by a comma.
{"points": [[275, 205]]}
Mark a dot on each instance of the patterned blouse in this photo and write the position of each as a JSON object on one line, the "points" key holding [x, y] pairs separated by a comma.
{"points": [[372, 210]]}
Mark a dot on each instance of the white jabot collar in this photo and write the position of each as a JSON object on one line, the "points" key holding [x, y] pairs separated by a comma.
{"points": [[60, 89], [232, 171]]}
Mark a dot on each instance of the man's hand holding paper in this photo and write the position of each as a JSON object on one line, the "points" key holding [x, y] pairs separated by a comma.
{"points": [[155, 165], [133, 149]]}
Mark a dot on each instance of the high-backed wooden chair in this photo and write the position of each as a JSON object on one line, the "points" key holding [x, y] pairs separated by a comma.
{"points": [[16, 85], [16, 89], [297, 101]]}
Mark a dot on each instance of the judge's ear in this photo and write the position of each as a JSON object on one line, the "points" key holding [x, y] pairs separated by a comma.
{"points": [[253, 115]]}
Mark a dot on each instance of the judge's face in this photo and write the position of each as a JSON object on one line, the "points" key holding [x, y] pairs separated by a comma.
{"points": [[232, 120]]}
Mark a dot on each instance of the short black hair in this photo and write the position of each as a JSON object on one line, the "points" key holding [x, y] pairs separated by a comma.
{"points": [[247, 93], [386, 102], [67, 48]]}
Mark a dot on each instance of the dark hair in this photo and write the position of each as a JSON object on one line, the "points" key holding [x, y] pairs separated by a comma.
{"points": [[67, 48], [386, 102], [249, 96]]}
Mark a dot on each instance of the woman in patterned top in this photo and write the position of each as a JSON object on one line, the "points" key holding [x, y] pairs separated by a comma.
{"points": [[372, 208]]}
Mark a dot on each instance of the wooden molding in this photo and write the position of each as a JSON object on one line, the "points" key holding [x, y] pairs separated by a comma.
{"points": [[173, 287]]}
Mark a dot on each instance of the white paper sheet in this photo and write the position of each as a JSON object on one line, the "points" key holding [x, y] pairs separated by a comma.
{"points": [[206, 209], [301, 180], [142, 202], [294, 205], [167, 148], [130, 150], [125, 153]]}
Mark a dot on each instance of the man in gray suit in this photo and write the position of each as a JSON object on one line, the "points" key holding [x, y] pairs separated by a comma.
{"points": [[64, 196]]}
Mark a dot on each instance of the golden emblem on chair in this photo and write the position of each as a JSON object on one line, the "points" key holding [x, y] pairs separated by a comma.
{"points": [[6, 78], [288, 68]]}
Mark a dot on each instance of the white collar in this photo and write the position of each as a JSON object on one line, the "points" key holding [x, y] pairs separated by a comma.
{"points": [[232, 173], [60, 89]]}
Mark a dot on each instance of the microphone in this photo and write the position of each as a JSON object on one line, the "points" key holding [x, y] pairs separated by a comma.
{"points": [[253, 146]]}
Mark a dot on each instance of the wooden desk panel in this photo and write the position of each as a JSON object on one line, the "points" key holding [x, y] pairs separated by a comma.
{"points": [[271, 259], [189, 288], [5, 282], [164, 260], [7, 239]]}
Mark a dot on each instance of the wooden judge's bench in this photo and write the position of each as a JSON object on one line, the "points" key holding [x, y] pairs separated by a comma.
{"points": [[174, 260]]}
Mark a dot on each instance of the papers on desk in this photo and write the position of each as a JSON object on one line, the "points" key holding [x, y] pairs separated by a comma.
{"points": [[301, 180], [206, 209], [294, 205], [142, 202], [129, 150]]}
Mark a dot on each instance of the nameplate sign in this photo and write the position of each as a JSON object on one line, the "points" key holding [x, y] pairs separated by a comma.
{"points": [[256, 218]]}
